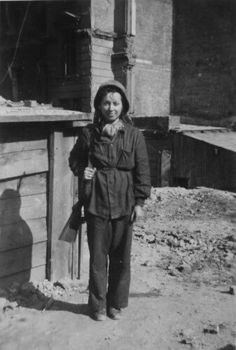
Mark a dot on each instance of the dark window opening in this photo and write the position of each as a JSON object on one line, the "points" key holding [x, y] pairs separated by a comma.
{"points": [[69, 55], [181, 182]]}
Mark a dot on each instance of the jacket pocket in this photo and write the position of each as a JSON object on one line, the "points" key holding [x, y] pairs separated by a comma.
{"points": [[126, 160]]}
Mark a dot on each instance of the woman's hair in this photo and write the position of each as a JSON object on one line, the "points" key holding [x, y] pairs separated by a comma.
{"points": [[102, 92]]}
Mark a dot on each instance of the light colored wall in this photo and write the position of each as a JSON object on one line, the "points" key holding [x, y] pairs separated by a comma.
{"points": [[153, 46]]}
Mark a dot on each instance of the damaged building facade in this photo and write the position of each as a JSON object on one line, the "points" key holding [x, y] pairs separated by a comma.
{"points": [[177, 59], [70, 47]]}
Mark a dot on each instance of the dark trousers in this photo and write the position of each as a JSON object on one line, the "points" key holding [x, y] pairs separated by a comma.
{"points": [[109, 242]]}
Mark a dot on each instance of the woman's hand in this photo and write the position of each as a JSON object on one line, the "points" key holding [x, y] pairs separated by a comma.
{"points": [[137, 213], [89, 173]]}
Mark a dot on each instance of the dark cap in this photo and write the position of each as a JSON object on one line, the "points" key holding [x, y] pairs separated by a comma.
{"points": [[119, 87]]}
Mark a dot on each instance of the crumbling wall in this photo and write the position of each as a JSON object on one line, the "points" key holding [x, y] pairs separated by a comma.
{"points": [[153, 43], [204, 65]]}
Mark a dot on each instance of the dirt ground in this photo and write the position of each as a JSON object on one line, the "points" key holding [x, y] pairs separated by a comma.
{"points": [[182, 292]]}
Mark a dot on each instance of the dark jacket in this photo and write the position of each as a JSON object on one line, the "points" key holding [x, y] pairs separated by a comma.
{"points": [[122, 178]]}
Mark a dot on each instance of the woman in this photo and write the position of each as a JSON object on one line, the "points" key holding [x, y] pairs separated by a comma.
{"points": [[113, 156]]}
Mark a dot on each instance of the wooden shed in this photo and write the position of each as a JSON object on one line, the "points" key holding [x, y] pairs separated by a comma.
{"points": [[37, 191], [204, 156]]}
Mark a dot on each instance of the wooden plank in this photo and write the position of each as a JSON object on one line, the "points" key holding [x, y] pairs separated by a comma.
{"points": [[28, 185], [16, 209], [10, 133], [222, 139], [22, 233], [18, 260], [21, 163], [9, 147], [35, 117], [34, 274], [61, 187], [76, 124]]}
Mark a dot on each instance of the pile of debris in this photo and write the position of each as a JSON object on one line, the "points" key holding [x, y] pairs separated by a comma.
{"points": [[4, 103], [191, 230]]}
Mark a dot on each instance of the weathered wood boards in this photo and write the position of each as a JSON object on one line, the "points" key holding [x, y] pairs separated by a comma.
{"points": [[22, 259], [22, 233], [25, 157], [23, 229], [15, 115], [37, 191], [23, 204], [61, 193], [201, 163]]}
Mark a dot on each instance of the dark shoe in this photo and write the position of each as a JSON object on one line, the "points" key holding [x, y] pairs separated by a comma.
{"points": [[99, 316], [114, 314]]}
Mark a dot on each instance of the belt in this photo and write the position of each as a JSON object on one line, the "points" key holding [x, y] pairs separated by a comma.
{"points": [[106, 168], [111, 168]]}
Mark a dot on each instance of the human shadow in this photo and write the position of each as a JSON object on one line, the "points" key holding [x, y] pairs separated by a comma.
{"points": [[82, 309], [31, 297], [15, 241]]}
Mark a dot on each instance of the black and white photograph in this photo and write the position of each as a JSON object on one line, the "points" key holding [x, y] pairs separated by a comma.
{"points": [[118, 175]]}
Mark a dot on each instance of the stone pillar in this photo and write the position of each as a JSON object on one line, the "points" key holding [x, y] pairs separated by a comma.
{"points": [[102, 35], [123, 58], [130, 32]]}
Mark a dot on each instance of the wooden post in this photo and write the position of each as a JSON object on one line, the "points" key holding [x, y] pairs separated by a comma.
{"points": [[60, 203]]}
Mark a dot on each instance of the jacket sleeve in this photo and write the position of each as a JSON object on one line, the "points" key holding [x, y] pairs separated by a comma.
{"points": [[78, 158], [142, 183]]}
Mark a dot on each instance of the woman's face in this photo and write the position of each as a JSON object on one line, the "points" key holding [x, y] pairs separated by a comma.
{"points": [[111, 106]]}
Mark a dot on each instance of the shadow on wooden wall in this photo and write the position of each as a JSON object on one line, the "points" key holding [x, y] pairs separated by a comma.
{"points": [[15, 240]]}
